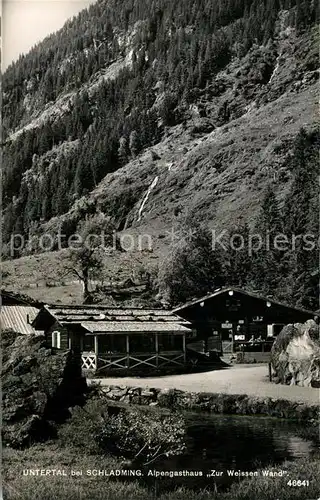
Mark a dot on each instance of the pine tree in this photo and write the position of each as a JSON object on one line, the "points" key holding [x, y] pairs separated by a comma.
{"points": [[303, 14], [270, 215], [267, 260], [134, 143], [300, 216], [123, 151], [84, 179], [49, 86], [237, 260], [302, 189], [46, 139]]}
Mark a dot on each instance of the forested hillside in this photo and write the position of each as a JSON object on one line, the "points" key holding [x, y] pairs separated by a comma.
{"points": [[166, 54], [141, 108]]}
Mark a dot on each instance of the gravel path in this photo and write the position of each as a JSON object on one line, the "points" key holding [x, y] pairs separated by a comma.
{"points": [[251, 380]]}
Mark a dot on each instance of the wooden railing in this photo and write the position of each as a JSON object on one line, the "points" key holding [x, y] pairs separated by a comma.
{"points": [[198, 346], [104, 361], [213, 344], [89, 361], [227, 346]]}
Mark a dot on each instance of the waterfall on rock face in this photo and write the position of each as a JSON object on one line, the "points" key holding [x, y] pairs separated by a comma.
{"points": [[145, 199]]}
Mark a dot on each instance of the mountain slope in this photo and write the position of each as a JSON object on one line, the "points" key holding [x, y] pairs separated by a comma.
{"points": [[148, 110], [121, 76]]}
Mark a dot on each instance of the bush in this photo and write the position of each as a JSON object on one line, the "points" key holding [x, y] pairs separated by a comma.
{"points": [[144, 437], [84, 428], [167, 398], [136, 434]]}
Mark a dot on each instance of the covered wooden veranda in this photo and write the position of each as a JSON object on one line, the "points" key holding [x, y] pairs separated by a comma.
{"points": [[107, 339]]}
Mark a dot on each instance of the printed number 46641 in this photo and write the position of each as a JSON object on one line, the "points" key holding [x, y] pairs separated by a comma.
{"points": [[298, 482]]}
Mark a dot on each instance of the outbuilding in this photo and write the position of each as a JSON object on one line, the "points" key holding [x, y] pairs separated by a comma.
{"points": [[108, 340]]}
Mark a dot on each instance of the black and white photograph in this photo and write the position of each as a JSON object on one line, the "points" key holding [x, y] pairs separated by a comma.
{"points": [[160, 229]]}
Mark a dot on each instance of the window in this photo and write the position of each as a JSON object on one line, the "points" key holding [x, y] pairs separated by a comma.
{"points": [[55, 339], [112, 344], [170, 342], [142, 342], [88, 343], [118, 343]]}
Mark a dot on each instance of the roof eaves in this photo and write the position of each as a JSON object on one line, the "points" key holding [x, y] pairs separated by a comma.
{"points": [[244, 292], [201, 299]]}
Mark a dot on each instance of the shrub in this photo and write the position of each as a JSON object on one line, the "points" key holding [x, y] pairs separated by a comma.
{"points": [[137, 434], [167, 398], [144, 437], [84, 428]]}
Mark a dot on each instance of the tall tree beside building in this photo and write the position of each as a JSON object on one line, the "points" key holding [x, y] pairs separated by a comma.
{"points": [[94, 239], [301, 223], [267, 251], [237, 258], [192, 268]]}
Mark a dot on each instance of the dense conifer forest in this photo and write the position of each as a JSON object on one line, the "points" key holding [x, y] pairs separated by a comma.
{"points": [[94, 96], [181, 44], [286, 271]]}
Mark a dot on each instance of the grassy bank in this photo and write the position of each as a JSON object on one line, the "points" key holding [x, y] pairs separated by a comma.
{"points": [[277, 488], [217, 403], [52, 456]]}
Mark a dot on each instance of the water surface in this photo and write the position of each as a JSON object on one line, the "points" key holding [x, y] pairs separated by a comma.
{"points": [[223, 443]]}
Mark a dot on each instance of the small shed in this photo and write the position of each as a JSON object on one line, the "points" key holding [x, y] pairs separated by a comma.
{"points": [[116, 339]]}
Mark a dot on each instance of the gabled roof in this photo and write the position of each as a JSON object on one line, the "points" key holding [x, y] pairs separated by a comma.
{"points": [[103, 319], [221, 291]]}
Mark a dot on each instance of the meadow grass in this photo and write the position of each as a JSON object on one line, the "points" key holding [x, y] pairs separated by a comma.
{"points": [[277, 488], [16, 486]]}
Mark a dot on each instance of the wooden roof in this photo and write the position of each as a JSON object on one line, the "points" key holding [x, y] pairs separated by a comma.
{"points": [[11, 298], [102, 319], [221, 291], [134, 327]]}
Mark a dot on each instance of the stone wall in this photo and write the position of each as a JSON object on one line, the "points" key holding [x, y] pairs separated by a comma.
{"points": [[212, 403]]}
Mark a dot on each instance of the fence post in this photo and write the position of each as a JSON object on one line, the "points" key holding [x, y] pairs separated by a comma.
{"points": [[128, 351], [270, 373]]}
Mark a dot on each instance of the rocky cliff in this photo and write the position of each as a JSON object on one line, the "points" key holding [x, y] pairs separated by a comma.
{"points": [[295, 355], [38, 387]]}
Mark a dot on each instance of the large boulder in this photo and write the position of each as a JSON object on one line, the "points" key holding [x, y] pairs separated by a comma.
{"points": [[38, 386], [295, 355]]}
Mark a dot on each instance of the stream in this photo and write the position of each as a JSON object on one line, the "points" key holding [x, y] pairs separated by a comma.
{"points": [[234, 443]]}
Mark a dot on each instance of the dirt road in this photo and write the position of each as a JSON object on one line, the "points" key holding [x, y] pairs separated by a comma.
{"points": [[251, 380]]}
